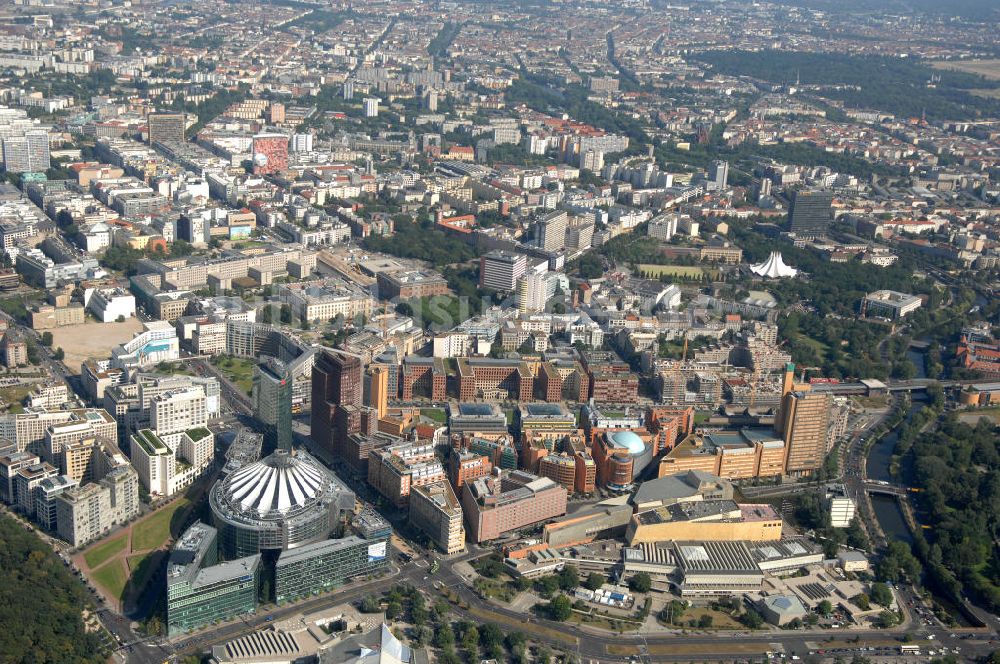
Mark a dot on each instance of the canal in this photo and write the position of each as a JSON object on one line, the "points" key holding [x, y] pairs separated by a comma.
{"points": [[879, 463], [886, 508]]}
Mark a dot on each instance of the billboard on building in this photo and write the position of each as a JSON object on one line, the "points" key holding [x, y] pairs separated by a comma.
{"points": [[376, 551]]}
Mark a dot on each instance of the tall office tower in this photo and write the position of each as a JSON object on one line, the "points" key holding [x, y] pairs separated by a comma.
{"points": [[431, 101], [270, 153], [276, 113], [348, 90], [165, 127], [810, 213], [336, 390], [302, 142], [550, 230], [378, 393], [718, 175], [532, 293], [371, 107], [272, 401], [499, 270], [805, 418], [764, 188], [27, 153]]}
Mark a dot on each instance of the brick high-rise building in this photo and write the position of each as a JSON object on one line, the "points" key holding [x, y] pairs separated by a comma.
{"points": [[576, 471], [336, 396], [669, 425], [424, 377], [483, 377], [804, 420], [549, 383], [378, 377], [465, 466]]}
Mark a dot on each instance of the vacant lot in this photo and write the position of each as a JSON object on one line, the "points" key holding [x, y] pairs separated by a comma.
{"points": [[972, 417], [92, 340], [988, 68]]}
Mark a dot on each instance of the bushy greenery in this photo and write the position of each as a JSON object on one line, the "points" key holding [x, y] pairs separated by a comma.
{"points": [[439, 45], [424, 241], [543, 95], [957, 466], [40, 603]]}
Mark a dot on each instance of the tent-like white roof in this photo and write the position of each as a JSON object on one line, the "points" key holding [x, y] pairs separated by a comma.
{"points": [[774, 267]]}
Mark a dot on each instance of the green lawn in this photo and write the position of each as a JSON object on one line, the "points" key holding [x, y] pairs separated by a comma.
{"points": [[104, 551], [142, 567], [153, 531], [688, 271], [112, 577], [436, 414], [701, 416], [16, 306], [238, 370]]}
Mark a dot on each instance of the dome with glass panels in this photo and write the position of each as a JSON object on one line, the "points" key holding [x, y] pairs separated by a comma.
{"points": [[283, 501]]}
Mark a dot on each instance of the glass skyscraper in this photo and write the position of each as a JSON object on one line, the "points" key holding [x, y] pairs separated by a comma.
{"points": [[272, 401]]}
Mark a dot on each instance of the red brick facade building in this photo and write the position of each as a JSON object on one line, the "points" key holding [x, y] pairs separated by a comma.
{"points": [[549, 383], [424, 376], [488, 378], [669, 425]]}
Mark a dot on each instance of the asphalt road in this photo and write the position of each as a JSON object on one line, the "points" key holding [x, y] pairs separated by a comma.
{"points": [[591, 647]]}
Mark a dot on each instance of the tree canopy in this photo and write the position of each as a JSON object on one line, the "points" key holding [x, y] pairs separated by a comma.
{"points": [[40, 603]]}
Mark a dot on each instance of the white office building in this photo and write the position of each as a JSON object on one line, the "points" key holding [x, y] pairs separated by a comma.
{"points": [[178, 411], [499, 270], [156, 343], [110, 304]]}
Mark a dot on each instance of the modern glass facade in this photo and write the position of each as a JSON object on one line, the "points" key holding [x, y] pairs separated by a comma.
{"points": [[281, 502], [216, 593], [272, 401], [319, 567], [199, 591]]}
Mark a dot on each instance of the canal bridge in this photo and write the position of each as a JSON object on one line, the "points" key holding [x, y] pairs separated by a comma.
{"points": [[885, 489]]}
